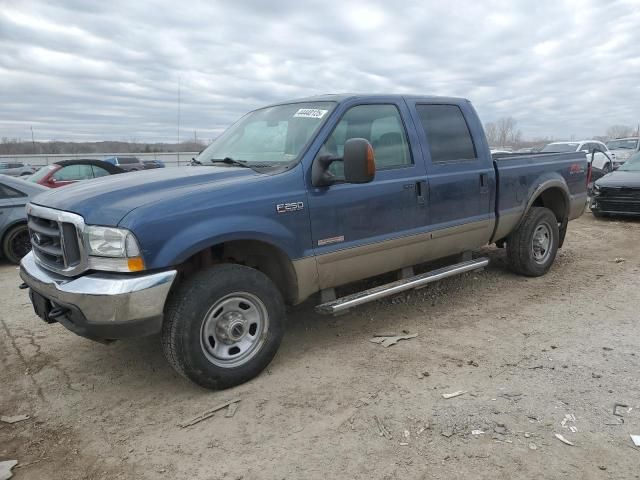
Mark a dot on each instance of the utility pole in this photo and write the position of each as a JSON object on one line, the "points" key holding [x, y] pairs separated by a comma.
{"points": [[33, 141], [179, 93]]}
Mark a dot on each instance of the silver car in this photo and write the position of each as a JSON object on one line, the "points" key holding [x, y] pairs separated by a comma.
{"points": [[16, 169], [14, 235]]}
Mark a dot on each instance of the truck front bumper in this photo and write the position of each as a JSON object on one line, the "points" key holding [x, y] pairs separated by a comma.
{"points": [[99, 306]]}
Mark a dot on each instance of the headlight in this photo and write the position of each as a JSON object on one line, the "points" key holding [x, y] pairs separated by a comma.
{"points": [[596, 189], [112, 249]]}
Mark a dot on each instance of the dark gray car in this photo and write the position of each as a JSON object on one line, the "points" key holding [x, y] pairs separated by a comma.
{"points": [[16, 169], [130, 164], [15, 193]]}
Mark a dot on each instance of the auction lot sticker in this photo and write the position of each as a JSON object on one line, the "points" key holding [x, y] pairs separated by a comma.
{"points": [[310, 113]]}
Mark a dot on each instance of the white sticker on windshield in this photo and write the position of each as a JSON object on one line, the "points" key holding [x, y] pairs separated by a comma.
{"points": [[310, 113]]}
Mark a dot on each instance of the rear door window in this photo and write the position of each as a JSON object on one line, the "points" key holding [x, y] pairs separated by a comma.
{"points": [[447, 133]]}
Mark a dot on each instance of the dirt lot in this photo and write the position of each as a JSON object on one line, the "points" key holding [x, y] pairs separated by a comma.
{"points": [[528, 352]]}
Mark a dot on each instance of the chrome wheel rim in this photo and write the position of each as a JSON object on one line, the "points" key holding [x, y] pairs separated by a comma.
{"points": [[541, 243], [234, 329]]}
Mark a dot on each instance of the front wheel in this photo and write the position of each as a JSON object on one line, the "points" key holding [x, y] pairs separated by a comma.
{"points": [[532, 247], [16, 243], [223, 326]]}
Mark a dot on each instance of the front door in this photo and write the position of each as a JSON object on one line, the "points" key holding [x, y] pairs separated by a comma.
{"points": [[357, 229]]}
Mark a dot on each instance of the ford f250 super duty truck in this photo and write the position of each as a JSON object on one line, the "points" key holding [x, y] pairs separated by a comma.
{"points": [[293, 199]]}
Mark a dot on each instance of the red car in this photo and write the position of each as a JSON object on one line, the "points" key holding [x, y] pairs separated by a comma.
{"points": [[65, 172]]}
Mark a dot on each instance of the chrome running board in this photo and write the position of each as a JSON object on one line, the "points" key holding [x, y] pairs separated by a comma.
{"points": [[345, 303]]}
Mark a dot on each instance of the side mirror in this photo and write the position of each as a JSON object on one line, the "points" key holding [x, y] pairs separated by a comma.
{"points": [[359, 164], [359, 161]]}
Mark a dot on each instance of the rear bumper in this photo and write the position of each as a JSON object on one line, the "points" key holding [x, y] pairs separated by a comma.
{"points": [[103, 306]]}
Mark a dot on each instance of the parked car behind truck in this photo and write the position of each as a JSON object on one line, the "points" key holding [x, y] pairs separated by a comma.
{"points": [[601, 158], [16, 169], [66, 172], [293, 199], [619, 192], [130, 164], [14, 235]]}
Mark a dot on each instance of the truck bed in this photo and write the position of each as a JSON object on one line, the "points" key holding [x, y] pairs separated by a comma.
{"points": [[519, 175]]}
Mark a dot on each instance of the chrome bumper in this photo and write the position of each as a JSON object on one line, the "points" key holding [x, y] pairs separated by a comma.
{"points": [[108, 300]]}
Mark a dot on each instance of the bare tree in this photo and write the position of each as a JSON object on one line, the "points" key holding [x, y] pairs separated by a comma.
{"points": [[619, 131], [491, 131], [503, 132]]}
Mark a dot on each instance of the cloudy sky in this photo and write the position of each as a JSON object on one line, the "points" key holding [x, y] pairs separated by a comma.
{"points": [[95, 70]]}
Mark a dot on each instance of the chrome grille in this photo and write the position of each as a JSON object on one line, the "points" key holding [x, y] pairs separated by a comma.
{"points": [[56, 238]]}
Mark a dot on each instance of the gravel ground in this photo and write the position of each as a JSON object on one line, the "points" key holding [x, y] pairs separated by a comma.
{"points": [[536, 357]]}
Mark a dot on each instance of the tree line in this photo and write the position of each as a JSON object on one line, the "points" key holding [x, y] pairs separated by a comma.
{"points": [[500, 134], [504, 133], [17, 146]]}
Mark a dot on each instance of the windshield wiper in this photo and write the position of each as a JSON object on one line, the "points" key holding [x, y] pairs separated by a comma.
{"points": [[231, 161]]}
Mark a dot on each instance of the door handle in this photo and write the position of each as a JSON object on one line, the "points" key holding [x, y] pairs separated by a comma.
{"points": [[484, 182], [421, 191]]}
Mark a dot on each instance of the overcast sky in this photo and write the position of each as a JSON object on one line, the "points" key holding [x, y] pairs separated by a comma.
{"points": [[96, 70]]}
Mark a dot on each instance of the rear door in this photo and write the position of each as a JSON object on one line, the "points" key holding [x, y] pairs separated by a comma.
{"points": [[460, 173], [360, 230]]}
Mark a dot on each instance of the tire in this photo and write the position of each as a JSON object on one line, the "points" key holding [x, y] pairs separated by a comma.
{"points": [[16, 243], [526, 250], [223, 326]]}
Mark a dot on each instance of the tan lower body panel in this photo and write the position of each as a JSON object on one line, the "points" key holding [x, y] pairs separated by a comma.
{"points": [[349, 265], [307, 277]]}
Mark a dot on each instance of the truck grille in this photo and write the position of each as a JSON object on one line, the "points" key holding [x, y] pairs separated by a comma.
{"points": [[623, 200], [55, 239]]}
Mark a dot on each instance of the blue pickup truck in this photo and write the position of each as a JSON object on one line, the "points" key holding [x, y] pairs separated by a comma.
{"points": [[293, 199]]}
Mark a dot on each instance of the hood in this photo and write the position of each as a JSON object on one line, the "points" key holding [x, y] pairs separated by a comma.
{"points": [[620, 178], [106, 200]]}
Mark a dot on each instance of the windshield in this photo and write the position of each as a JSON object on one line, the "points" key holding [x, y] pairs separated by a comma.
{"points": [[632, 165], [560, 148], [273, 136], [625, 144], [40, 174]]}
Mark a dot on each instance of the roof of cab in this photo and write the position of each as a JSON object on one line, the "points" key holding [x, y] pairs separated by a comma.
{"points": [[341, 97]]}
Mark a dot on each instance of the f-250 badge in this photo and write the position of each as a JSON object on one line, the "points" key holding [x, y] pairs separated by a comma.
{"points": [[289, 207]]}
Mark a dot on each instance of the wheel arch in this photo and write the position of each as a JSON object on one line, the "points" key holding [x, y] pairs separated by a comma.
{"points": [[261, 255], [554, 195]]}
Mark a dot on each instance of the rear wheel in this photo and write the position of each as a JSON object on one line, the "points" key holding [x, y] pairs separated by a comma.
{"points": [[16, 243], [223, 326], [532, 247]]}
